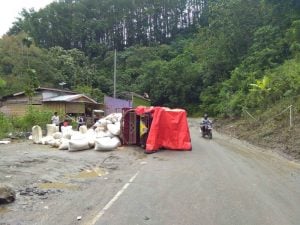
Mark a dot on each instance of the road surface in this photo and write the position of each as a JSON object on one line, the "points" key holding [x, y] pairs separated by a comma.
{"points": [[220, 182]]}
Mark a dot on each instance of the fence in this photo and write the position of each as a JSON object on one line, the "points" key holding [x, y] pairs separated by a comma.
{"points": [[290, 108]]}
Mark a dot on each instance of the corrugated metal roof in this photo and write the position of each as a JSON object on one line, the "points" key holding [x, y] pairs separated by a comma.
{"points": [[56, 89], [69, 98], [40, 89]]}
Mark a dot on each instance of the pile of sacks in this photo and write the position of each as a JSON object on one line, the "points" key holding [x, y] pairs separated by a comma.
{"points": [[103, 136]]}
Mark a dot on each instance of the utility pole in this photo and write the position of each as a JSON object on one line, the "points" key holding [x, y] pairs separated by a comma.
{"points": [[115, 72], [291, 116]]}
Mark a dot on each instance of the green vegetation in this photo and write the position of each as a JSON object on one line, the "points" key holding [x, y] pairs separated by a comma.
{"points": [[5, 124], [137, 101], [222, 57], [24, 123]]}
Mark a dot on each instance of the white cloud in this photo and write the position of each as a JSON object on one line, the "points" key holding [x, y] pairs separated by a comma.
{"points": [[10, 10]]}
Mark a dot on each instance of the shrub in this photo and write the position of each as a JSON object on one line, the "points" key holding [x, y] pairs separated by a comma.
{"points": [[5, 124], [31, 118], [38, 117]]}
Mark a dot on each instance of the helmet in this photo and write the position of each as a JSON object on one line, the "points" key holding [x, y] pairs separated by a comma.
{"points": [[205, 116]]}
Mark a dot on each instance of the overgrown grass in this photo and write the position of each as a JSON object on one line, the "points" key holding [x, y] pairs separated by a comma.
{"points": [[24, 123], [270, 128], [5, 124]]}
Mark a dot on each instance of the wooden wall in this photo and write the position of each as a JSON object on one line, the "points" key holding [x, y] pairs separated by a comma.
{"points": [[59, 107], [16, 109], [65, 107], [17, 105], [75, 108]]}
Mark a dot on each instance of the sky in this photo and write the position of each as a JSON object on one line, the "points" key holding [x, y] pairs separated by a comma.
{"points": [[10, 9]]}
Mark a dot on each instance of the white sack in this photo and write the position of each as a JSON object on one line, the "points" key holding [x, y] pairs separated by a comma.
{"points": [[91, 132], [78, 145], [114, 117], [115, 129], [46, 140], [83, 129], [57, 135], [66, 130], [67, 136], [108, 122], [102, 134], [54, 143], [91, 143], [102, 122], [51, 129], [107, 143], [119, 116], [91, 137], [37, 134], [64, 144], [100, 129], [78, 136]]}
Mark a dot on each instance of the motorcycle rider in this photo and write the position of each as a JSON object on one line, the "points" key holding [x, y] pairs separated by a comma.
{"points": [[204, 123]]}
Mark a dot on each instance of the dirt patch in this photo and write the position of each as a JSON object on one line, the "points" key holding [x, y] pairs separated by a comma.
{"points": [[273, 134], [44, 177]]}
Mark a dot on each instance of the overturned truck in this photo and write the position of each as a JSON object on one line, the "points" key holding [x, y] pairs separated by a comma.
{"points": [[156, 128]]}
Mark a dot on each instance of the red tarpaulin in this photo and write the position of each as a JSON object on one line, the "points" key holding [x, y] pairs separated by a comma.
{"points": [[169, 129]]}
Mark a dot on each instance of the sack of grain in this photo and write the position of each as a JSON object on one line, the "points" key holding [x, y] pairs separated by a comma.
{"points": [[78, 145], [115, 128], [64, 144], [83, 129], [46, 140], [107, 143], [51, 129], [37, 134], [57, 135]]}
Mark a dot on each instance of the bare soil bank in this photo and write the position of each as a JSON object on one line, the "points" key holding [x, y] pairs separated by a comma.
{"points": [[274, 135]]}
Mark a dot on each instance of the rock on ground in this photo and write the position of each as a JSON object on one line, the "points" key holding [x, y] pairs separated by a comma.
{"points": [[7, 194]]}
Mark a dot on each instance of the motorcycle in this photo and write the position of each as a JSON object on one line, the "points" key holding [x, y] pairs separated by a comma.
{"points": [[206, 130]]}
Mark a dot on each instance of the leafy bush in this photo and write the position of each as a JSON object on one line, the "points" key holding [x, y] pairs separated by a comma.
{"points": [[5, 124], [38, 117], [31, 118]]}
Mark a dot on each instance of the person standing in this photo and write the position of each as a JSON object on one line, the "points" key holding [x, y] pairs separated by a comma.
{"points": [[55, 119], [65, 122], [80, 121]]}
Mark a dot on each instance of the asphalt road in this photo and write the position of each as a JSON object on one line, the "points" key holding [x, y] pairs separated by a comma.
{"points": [[221, 182]]}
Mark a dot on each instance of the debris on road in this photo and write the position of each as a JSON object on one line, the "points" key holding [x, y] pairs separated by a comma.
{"points": [[103, 136], [7, 194]]}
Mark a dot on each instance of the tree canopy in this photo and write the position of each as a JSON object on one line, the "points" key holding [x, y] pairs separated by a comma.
{"points": [[217, 56]]}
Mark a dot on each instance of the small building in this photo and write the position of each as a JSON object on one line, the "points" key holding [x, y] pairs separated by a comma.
{"points": [[62, 101], [129, 100]]}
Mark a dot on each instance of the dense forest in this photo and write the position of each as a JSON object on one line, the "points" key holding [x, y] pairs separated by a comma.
{"points": [[217, 56]]}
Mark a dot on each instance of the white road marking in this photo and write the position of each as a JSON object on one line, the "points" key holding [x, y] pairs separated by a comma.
{"points": [[111, 202]]}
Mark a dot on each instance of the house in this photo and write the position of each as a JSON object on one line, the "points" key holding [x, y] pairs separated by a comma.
{"points": [[62, 101]]}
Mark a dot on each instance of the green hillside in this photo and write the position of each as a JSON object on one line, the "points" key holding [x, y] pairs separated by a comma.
{"points": [[214, 56]]}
